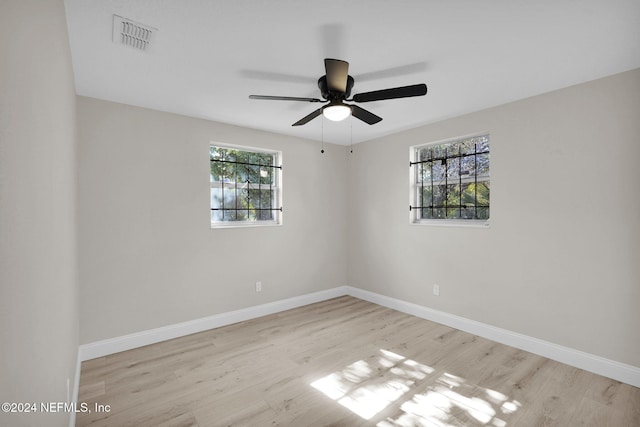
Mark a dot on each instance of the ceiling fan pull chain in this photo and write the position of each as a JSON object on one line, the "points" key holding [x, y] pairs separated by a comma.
{"points": [[351, 135], [322, 134]]}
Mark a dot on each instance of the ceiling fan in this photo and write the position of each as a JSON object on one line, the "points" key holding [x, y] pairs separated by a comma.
{"points": [[335, 88]]}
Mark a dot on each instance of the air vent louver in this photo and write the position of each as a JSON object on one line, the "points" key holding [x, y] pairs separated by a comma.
{"points": [[133, 34]]}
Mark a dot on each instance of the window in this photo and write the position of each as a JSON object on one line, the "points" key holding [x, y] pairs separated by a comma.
{"points": [[246, 186], [450, 181]]}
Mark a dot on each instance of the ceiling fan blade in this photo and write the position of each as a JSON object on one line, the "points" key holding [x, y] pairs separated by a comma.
{"points": [[401, 70], [397, 92], [306, 119], [284, 98], [337, 72], [364, 115]]}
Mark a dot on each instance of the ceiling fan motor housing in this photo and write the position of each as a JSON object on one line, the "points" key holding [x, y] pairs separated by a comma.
{"points": [[332, 95]]}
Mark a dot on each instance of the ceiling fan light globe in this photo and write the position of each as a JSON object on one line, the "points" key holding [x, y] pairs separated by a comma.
{"points": [[337, 113]]}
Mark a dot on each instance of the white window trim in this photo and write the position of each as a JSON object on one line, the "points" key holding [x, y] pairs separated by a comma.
{"points": [[464, 223], [245, 224], [278, 190]]}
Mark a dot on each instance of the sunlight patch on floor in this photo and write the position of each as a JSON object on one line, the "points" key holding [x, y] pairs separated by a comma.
{"points": [[449, 402], [367, 387]]}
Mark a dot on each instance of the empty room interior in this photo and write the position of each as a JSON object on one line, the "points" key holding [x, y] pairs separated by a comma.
{"points": [[419, 213]]}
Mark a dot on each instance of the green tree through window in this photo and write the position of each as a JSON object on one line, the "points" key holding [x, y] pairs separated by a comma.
{"points": [[451, 180], [245, 185]]}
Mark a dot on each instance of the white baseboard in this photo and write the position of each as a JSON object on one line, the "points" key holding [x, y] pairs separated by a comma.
{"points": [[599, 365], [589, 362], [152, 336]]}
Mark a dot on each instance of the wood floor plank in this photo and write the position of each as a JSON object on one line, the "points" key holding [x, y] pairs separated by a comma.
{"points": [[345, 362]]}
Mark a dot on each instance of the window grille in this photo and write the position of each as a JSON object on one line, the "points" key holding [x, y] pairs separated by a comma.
{"points": [[245, 186], [451, 180]]}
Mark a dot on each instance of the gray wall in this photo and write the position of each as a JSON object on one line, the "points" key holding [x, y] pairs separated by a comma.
{"points": [[38, 284], [148, 257], [560, 261]]}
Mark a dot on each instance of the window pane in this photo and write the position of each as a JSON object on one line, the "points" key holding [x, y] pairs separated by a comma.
{"points": [[266, 176], [216, 203], [468, 146], [483, 193], [437, 170], [482, 144], [468, 166], [244, 185], [483, 213], [228, 196], [254, 173], [469, 195], [424, 154], [483, 164], [452, 179], [438, 213], [453, 169], [453, 213], [439, 151], [228, 155], [453, 150], [453, 195], [266, 199], [424, 172], [425, 200], [229, 215], [426, 213], [468, 212], [439, 195]]}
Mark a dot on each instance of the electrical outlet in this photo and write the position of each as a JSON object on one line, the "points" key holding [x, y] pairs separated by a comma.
{"points": [[436, 290], [258, 286]]}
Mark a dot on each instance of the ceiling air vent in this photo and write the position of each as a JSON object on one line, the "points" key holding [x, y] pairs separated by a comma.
{"points": [[133, 34]]}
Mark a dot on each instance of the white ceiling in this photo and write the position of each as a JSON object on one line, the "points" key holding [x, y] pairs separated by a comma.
{"points": [[210, 55]]}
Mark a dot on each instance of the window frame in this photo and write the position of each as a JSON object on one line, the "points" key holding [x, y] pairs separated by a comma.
{"points": [[414, 187], [277, 188]]}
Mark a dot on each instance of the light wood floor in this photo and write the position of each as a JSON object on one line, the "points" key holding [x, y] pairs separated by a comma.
{"points": [[346, 362]]}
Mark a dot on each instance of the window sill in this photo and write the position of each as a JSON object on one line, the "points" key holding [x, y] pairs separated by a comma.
{"points": [[453, 223], [223, 225]]}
